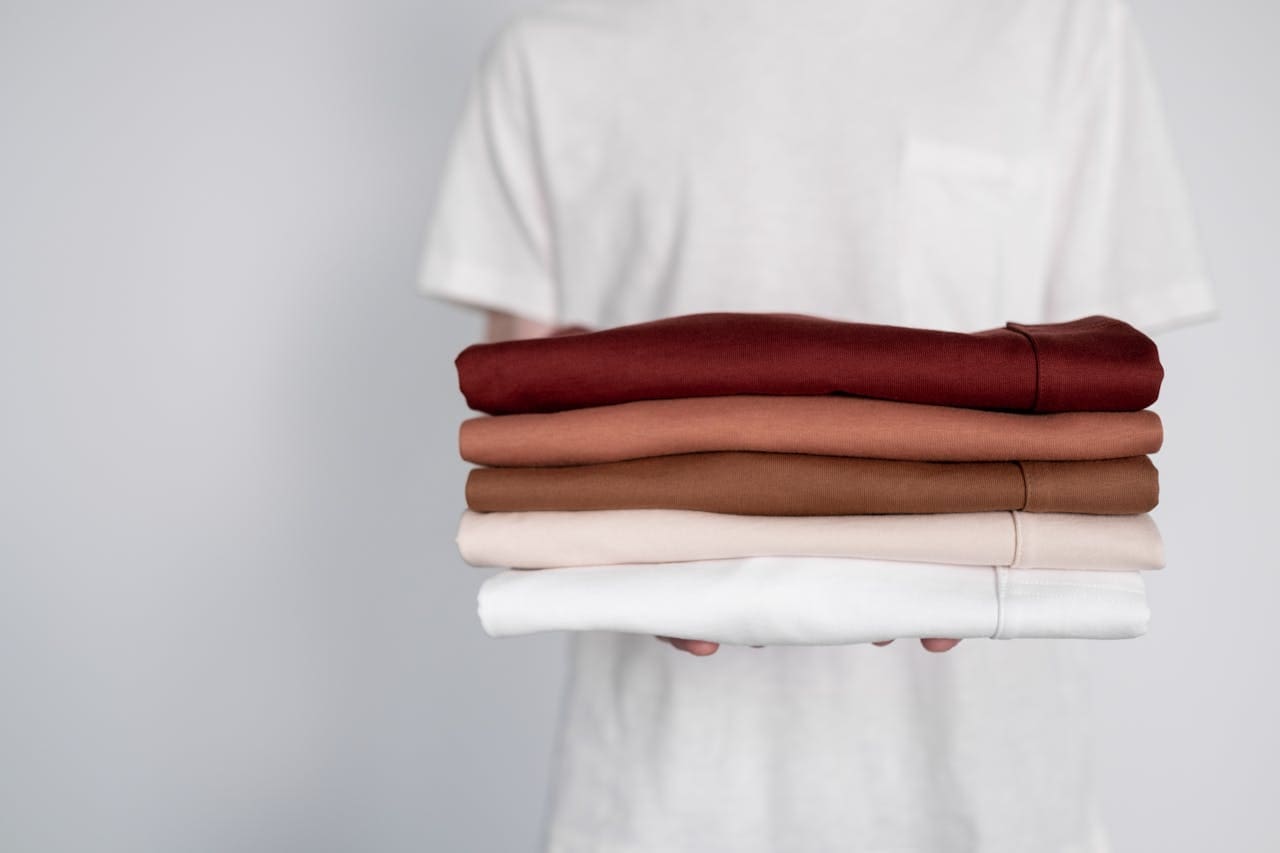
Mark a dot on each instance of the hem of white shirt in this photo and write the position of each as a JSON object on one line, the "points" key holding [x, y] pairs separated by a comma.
{"points": [[474, 286]]}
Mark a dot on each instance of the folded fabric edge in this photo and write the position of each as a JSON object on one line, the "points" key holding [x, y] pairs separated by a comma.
{"points": [[1006, 600], [1026, 528]]}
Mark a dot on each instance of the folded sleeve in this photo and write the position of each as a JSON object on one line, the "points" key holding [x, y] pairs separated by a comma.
{"points": [[490, 241], [1124, 238]]}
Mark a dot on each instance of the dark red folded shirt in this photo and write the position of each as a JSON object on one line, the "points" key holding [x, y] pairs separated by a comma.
{"points": [[1092, 364]]}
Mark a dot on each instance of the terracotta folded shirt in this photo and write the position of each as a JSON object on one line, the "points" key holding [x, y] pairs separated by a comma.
{"points": [[816, 601], [830, 425], [794, 484], [536, 540], [1091, 364]]}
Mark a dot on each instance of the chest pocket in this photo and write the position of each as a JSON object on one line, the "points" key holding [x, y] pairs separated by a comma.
{"points": [[973, 248]]}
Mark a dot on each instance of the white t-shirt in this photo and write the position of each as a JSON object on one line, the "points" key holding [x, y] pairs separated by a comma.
{"points": [[942, 163]]}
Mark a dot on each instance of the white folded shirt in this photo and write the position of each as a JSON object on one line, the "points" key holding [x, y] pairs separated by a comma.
{"points": [[1018, 539], [816, 601]]}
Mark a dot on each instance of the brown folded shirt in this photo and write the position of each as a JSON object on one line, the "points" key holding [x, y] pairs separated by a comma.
{"points": [[1092, 364], [829, 426], [747, 483]]}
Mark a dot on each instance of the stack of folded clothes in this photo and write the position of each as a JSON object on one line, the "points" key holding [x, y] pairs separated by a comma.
{"points": [[784, 479]]}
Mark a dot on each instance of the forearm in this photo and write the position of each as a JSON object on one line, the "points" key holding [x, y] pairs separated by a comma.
{"points": [[500, 326]]}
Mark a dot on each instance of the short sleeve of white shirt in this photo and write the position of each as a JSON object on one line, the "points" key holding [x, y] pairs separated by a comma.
{"points": [[1126, 243], [490, 243]]}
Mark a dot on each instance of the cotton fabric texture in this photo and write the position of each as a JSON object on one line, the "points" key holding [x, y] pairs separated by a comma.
{"points": [[829, 426], [946, 165], [749, 483], [1020, 540], [816, 601], [1091, 364]]}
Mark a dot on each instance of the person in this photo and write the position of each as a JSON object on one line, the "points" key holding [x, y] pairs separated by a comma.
{"points": [[950, 164]]}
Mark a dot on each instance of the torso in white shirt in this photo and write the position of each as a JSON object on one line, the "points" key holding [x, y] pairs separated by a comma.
{"points": [[943, 163]]}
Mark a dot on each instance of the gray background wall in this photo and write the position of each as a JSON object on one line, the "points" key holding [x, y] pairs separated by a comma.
{"points": [[231, 616]]}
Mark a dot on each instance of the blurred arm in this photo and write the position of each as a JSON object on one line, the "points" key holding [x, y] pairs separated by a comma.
{"points": [[500, 326]]}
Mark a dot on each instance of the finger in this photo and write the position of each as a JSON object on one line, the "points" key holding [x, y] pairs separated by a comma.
{"points": [[935, 644], [697, 648], [882, 643]]}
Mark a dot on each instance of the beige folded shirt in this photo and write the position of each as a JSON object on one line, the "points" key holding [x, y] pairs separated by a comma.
{"points": [[1014, 539]]}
